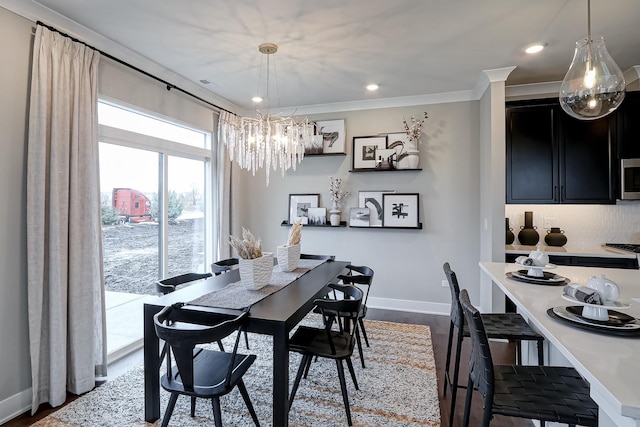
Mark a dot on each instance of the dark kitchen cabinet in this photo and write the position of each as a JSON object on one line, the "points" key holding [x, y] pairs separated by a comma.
{"points": [[553, 158], [629, 126]]}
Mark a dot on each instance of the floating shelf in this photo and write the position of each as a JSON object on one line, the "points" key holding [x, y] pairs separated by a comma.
{"points": [[383, 170], [419, 227], [286, 223], [325, 154]]}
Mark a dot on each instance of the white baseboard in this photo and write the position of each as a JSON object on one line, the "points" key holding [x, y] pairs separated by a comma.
{"points": [[15, 405], [409, 306]]}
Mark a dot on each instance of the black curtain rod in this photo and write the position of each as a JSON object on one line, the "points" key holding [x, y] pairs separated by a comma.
{"points": [[133, 67]]}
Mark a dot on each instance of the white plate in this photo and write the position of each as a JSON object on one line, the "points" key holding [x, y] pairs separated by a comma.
{"points": [[616, 305], [562, 312]]}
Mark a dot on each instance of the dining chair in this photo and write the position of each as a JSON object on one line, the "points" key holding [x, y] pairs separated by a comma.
{"points": [[212, 373], [223, 265], [331, 342], [362, 277], [509, 326], [544, 393], [168, 285]]}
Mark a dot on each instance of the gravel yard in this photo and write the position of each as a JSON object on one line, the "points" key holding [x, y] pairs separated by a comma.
{"points": [[131, 254]]}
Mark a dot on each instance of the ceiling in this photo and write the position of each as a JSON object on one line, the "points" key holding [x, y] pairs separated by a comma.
{"points": [[329, 50]]}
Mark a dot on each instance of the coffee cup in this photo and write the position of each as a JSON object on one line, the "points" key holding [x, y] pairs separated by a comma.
{"points": [[540, 259]]}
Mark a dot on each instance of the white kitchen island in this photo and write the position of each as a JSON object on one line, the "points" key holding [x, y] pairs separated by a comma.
{"points": [[611, 364]]}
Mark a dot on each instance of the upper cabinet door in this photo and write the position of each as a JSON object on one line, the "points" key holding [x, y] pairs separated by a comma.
{"points": [[532, 154], [628, 116], [586, 160]]}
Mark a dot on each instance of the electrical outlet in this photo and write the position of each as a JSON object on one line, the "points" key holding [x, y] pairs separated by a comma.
{"points": [[549, 222], [445, 284]]}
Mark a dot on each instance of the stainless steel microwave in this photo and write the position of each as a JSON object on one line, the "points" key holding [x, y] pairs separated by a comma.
{"points": [[630, 179]]}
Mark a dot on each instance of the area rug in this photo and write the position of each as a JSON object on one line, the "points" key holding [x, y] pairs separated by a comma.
{"points": [[398, 388]]}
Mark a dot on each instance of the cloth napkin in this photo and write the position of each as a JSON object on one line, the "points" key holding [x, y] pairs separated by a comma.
{"points": [[525, 260], [583, 293]]}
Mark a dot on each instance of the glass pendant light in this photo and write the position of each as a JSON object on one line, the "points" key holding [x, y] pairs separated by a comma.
{"points": [[594, 86]]}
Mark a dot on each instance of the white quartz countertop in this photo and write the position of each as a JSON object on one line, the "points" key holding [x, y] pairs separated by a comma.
{"points": [[609, 363], [569, 250]]}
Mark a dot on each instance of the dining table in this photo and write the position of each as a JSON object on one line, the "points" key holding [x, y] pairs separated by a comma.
{"points": [[275, 315], [607, 355]]}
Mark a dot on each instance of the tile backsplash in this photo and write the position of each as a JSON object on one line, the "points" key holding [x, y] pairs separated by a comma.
{"points": [[584, 225]]}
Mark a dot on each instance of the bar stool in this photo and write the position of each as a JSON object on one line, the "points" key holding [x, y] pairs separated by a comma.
{"points": [[511, 326], [544, 393]]}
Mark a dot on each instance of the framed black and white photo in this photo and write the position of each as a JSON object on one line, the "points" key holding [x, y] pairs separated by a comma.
{"points": [[314, 146], [373, 201], [399, 142], [400, 210], [317, 216], [359, 217], [299, 205], [333, 136], [364, 150]]}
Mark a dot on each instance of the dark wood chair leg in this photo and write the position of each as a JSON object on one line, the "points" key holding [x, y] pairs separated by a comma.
{"points": [[364, 331], [193, 406], [167, 413], [306, 369], [447, 378], [301, 369], [245, 395], [343, 386], [359, 343], [353, 373], [456, 373], [467, 404], [246, 339], [217, 413]]}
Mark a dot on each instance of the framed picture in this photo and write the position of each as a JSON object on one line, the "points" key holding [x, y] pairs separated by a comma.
{"points": [[314, 146], [373, 201], [333, 136], [299, 205], [359, 217], [317, 216], [400, 210], [364, 150]]}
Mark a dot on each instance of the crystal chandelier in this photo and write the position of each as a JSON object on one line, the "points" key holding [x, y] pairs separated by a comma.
{"points": [[594, 85], [269, 141]]}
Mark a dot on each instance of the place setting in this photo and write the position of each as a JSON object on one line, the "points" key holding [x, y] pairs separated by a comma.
{"points": [[534, 272], [596, 307]]}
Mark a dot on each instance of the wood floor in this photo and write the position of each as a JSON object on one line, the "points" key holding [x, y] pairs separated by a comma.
{"points": [[501, 352]]}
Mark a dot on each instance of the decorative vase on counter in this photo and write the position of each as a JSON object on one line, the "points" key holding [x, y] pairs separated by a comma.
{"points": [[528, 234], [555, 237], [510, 236]]}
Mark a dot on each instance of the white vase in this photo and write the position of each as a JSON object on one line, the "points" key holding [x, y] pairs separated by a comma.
{"points": [[256, 273], [334, 216], [288, 257], [409, 159]]}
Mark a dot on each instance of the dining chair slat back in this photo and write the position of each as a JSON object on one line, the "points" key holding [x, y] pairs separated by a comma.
{"points": [[211, 373]]}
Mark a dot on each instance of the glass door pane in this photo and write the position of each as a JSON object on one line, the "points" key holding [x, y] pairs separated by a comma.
{"points": [[128, 185], [186, 241]]}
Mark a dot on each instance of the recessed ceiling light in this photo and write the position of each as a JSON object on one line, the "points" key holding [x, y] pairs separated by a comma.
{"points": [[256, 99], [372, 87], [534, 48]]}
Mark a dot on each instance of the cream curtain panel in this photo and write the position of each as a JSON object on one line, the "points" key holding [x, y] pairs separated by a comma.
{"points": [[64, 240], [225, 186]]}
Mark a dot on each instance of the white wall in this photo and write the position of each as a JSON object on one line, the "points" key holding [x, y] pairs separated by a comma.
{"points": [[407, 263], [15, 373]]}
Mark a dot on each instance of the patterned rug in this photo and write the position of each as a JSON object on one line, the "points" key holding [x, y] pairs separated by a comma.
{"points": [[397, 388]]}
